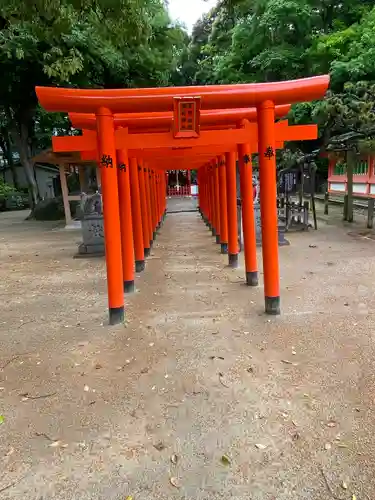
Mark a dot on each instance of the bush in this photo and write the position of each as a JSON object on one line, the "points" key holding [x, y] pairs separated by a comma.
{"points": [[53, 209], [11, 199], [6, 189], [49, 209]]}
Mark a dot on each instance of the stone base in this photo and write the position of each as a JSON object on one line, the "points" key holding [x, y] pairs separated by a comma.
{"points": [[281, 237], [85, 251]]}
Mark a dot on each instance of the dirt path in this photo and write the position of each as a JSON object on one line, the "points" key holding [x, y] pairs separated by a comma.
{"points": [[292, 410]]}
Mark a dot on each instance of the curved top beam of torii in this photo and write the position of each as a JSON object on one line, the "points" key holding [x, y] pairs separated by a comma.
{"points": [[141, 121], [161, 99]]}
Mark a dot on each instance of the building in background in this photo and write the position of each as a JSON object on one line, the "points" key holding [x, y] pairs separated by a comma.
{"points": [[46, 176]]}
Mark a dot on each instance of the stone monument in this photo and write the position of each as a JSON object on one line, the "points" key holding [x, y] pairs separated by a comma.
{"points": [[92, 226]]}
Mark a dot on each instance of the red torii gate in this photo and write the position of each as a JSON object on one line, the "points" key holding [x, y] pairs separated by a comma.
{"points": [[105, 103], [164, 158]]}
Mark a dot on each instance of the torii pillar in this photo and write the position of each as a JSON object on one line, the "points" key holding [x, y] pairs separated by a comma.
{"points": [[111, 215], [268, 207]]}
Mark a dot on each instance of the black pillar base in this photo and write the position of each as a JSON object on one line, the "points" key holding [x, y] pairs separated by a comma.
{"points": [[139, 266], [224, 248], [154, 235], [128, 286], [116, 315], [213, 231], [208, 224], [218, 239], [151, 243], [233, 260], [147, 252], [272, 305], [252, 278]]}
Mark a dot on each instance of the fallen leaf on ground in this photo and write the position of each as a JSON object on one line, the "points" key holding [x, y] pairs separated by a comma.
{"points": [[354, 497], [287, 362], [344, 485], [86, 388], [221, 375], [129, 498], [174, 459], [312, 246], [57, 444], [327, 446], [98, 366], [2, 419], [331, 424], [225, 460], [173, 481], [144, 370], [261, 446], [159, 446]]}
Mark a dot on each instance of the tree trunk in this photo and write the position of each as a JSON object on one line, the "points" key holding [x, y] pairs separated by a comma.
{"points": [[21, 136], [6, 146]]}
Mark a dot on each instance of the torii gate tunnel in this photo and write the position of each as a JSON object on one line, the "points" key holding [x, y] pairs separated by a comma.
{"points": [[136, 135]]}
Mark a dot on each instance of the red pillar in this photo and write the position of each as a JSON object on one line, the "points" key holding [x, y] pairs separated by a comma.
{"points": [[268, 196], [206, 196], [248, 216], [189, 182], [126, 221], [157, 182], [148, 195], [211, 181], [232, 210], [223, 205], [167, 182], [164, 195], [139, 251], [217, 200], [153, 203], [111, 214], [143, 196]]}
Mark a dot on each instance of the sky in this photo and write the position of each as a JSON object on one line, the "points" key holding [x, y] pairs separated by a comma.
{"points": [[189, 11]]}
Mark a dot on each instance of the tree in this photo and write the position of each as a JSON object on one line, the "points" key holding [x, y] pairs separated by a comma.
{"points": [[271, 40], [85, 43]]}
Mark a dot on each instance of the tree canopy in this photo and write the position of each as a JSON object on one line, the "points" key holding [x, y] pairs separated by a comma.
{"points": [[83, 43], [133, 43], [271, 40]]}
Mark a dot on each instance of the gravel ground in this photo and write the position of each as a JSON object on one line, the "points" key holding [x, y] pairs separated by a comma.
{"points": [[198, 396]]}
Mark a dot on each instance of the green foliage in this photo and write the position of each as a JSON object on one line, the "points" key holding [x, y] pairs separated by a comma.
{"points": [[271, 40], [6, 189], [77, 43]]}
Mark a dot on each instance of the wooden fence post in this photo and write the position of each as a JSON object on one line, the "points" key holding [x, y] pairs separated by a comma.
{"points": [[370, 213], [326, 202]]}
